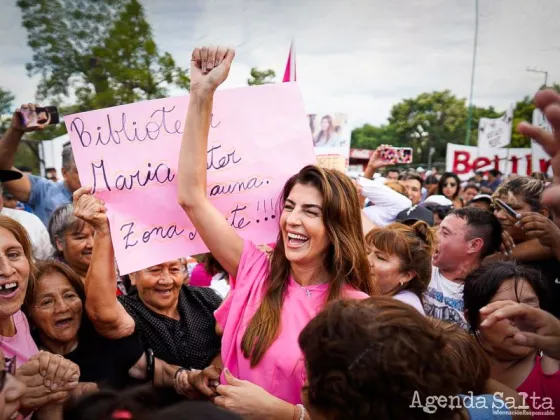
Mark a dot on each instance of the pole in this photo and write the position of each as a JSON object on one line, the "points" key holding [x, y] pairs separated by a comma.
{"points": [[469, 118], [545, 78]]}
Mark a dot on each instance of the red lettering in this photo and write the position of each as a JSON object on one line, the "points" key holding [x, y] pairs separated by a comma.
{"points": [[529, 159], [480, 162], [497, 162], [514, 164], [461, 163], [544, 165]]}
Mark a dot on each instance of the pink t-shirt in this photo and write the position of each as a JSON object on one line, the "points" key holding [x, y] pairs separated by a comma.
{"points": [[21, 344], [200, 277], [541, 385], [281, 371]]}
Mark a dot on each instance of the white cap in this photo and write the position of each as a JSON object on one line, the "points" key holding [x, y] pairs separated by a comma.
{"points": [[420, 169], [440, 200]]}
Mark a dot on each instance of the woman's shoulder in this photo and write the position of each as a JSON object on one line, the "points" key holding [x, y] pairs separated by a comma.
{"points": [[204, 295], [349, 292]]}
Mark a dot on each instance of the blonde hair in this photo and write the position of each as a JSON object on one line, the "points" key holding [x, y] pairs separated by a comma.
{"points": [[396, 186]]}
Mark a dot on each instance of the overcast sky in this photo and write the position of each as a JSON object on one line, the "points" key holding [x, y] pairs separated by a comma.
{"points": [[354, 56]]}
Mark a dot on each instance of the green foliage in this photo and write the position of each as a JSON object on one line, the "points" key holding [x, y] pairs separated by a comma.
{"points": [[435, 119], [6, 101], [103, 51], [429, 120], [261, 77], [371, 137]]}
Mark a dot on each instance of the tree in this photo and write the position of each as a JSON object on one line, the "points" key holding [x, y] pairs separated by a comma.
{"points": [[370, 136], [261, 77], [6, 101], [103, 51], [429, 120]]}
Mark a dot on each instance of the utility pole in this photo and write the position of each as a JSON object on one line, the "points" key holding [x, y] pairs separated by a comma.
{"points": [[469, 119], [541, 72]]}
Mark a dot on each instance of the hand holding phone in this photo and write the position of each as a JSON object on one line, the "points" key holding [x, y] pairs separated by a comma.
{"points": [[394, 155], [511, 212], [32, 117]]}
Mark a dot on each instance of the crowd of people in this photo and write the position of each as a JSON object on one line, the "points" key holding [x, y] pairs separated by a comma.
{"points": [[399, 295]]}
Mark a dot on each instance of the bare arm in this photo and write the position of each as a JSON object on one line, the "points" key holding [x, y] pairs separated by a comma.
{"points": [[164, 373], [104, 310], [212, 226], [21, 188], [532, 250]]}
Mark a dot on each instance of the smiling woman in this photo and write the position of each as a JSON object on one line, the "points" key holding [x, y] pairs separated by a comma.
{"points": [[16, 267], [72, 238], [55, 306], [319, 257]]}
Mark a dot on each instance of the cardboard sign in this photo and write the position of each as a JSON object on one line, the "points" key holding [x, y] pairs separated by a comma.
{"points": [[259, 137]]}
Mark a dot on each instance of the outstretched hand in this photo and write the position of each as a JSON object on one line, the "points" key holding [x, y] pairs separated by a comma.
{"points": [[210, 68], [548, 101]]}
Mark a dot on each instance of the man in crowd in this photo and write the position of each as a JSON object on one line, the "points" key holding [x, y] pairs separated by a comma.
{"points": [[413, 183], [466, 236], [40, 240], [41, 194]]}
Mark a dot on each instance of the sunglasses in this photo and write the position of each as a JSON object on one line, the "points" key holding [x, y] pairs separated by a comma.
{"points": [[9, 368], [451, 184]]}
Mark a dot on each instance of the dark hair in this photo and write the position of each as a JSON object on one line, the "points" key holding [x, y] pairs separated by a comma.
{"points": [[472, 185], [101, 405], [474, 363], [481, 224], [410, 175], [211, 265], [369, 359], [431, 180], [345, 259], [529, 189], [494, 172], [444, 178], [413, 245], [392, 170], [141, 403], [482, 284], [45, 268], [438, 209]]}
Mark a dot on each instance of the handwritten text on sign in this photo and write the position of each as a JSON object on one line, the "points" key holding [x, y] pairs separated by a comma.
{"points": [[129, 154]]}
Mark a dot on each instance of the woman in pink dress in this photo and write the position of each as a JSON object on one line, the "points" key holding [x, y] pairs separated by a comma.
{"points": [[319, 257]]}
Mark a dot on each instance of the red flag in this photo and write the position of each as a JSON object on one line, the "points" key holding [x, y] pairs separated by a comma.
{"points": [[290, 72]]}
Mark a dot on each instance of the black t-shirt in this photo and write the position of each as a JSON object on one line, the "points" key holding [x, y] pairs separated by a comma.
{"points": [[550, 271], [190, 342], [104, 361]]}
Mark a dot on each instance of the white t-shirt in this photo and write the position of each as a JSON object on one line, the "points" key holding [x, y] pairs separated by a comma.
{"points": [[406, 296], [40, 240], [387, 202], [444, 299]]}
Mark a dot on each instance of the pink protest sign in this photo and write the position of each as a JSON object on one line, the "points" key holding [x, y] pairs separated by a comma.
{"points": [[259, 137]]}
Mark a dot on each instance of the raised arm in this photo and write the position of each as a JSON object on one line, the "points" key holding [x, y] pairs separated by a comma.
{"points": [[20, 188], [209, 68], [104, 310]]}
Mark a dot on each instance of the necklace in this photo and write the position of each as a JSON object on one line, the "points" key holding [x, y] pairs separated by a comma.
{"points": [[308, 290]]}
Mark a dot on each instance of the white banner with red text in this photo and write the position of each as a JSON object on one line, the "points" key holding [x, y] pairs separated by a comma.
{"points": [[466, 160]]}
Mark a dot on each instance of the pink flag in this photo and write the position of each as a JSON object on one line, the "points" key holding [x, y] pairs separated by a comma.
{"points": [[290, 72]]}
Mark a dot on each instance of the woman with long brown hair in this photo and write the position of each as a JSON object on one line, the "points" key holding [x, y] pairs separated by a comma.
{"points": [[319, 257]]}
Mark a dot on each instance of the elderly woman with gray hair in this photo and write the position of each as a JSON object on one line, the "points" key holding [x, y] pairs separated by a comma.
{"points": [[72, 239]]}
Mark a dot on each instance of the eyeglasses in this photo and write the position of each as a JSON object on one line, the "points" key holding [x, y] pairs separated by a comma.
{"points": [[9, 368]]}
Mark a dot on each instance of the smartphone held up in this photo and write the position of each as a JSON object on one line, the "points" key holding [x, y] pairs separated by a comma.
{"points": [[31, 117], [395, 155]]}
